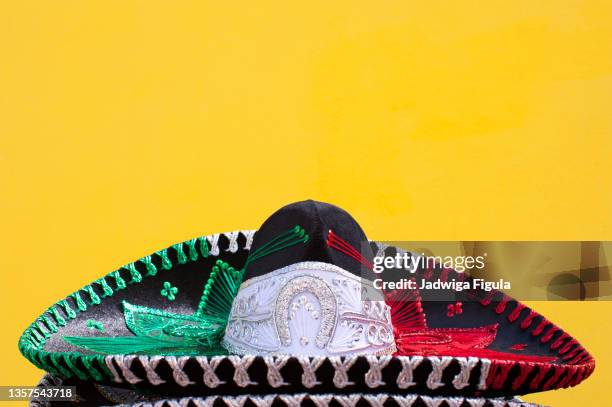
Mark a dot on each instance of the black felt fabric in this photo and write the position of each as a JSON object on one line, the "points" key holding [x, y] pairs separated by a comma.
{"points": [[317, 218]]}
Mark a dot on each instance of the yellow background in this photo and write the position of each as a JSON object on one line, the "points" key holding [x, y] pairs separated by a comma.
{"points": [[128, 126]]}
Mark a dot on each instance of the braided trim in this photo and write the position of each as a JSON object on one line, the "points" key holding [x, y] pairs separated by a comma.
{"points": [[149, 364], [373, 377], [344, 400], [210, 378], [438, 364], [350, 400], [462, 378], [274, 364], [241, 365], [405, 378], [341, 368], [100, 367], [310, 364], [125, 362]]}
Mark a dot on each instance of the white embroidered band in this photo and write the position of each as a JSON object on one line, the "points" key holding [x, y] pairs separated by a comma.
{"points": [[309, 308]]}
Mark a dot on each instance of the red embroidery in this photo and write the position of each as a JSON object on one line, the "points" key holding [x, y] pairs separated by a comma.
{"points": [[526, 368], [536, 371], [548, 336], [535, 382], [558, 371], [498, 374], [538, 330], [501, 306], [488, 298], [337, 243], [513, 316], [559, 341], [443, 341], [454, 309], [406, 309], [567, 378], [527, 321], [518, 346]]}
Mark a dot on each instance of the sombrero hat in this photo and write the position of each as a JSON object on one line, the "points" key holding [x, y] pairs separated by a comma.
{"points": [[293, 309]]}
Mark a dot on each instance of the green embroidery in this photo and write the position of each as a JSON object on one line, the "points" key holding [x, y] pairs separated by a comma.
{"points": [[162, 333], [67, 309], [166, 263], [180, 254], [95, 300], [220, 291], [70, 361], [105, 287], [92, 324], [282, 241], [200, 335], [87, 362], [204, 246], [168, 291], [35, 336], [118, 280], [58, 317], [224, 281], [151, 269], [193, 253], [136, 276], [49, 323], [81, 306], [158, 332]]}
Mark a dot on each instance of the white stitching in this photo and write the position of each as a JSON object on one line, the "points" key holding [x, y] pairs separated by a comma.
{"points": [[237, 401], [249, 238], [309, 367], [322, 400], [462, 378], [265, 401], [108, 360], [350, 400], [454, 401], [214, 244], [294, 400], [430, 402], [405, 401], [373, 377], [233, 241], [476, 402], [207, 402], [485, 365], [125, 362], [405, 378], [380, 252], [177, 365], [438, 365], [341, 367], [376, 400], [149, 365], [241, 364], [210, 378], [274, 364]]}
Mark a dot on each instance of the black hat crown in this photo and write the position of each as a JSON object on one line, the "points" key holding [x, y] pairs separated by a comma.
{"points": [[330, 235]]}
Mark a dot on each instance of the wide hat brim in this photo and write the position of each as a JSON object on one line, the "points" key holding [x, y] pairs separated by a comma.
{"points": [[96, 394], [96, 310]]}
